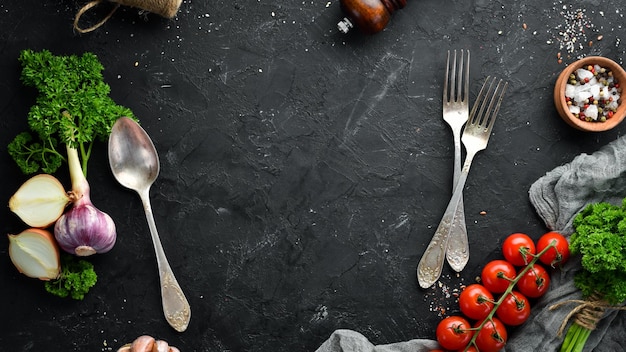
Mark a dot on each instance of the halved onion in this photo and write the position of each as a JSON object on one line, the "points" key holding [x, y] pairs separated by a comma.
{"points": [[40, 201], [35, 253]]}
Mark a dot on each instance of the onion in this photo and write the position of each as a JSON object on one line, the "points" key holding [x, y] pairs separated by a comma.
{"points": [[40, 201], [35, 254], [83, 229]]}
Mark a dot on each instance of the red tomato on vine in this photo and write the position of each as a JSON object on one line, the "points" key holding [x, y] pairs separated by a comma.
{"points": [[553, 256], [535, 282], [492, 337], [497, 275], [518, 249], [476, 302], [514, 309], [454, 333]]}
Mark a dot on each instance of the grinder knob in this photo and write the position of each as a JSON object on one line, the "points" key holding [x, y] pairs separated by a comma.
{"points": [[369, 16]]}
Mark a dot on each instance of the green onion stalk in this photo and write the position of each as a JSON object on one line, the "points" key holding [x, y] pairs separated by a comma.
{"points": [[586, 315]]}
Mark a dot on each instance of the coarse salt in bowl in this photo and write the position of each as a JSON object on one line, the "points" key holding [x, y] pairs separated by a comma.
{"points": [[582, 97]]}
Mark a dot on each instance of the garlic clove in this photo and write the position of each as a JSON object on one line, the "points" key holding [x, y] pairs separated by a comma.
{"points": [[143, 343], [40, 201], [35, 254], [160, 346]]}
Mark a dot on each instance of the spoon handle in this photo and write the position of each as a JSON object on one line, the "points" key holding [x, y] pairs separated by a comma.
{"points": [[175, 306]]}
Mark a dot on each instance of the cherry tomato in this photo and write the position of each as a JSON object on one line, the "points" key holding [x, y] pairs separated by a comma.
{"points": [[497, 275], [454, 333], [535, 282], [492, 337], [518, 249], [514, 309], [476, 302], [553, 256]]}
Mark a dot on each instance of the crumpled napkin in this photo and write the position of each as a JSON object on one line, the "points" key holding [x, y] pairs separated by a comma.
{"points": [[565, 191], [557, 197]]}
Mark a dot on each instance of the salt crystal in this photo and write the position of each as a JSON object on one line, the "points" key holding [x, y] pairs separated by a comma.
{"points": [[595, 91], [582, 96], [574, 109], [592, 112], [582, 73]]}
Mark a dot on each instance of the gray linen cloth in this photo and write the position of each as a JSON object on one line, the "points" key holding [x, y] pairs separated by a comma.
{"points": [[557, 197]]}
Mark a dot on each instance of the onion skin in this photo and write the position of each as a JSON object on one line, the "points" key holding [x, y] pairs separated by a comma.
{"points": [[24, 250]]}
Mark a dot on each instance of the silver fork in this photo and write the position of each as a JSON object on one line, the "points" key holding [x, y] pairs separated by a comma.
{"points": [[456, 113], [475, 138]]}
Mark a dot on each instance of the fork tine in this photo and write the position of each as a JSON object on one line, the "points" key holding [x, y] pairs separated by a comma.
{"points": [[454, 95], [491, 118], [465, 64], [457, 90], [478, 115], [480, 102], [446, 96], [445, 81]]}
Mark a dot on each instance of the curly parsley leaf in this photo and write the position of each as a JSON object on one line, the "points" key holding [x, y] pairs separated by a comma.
{"points": [[77, 277], [31, 156], [600, 239]]}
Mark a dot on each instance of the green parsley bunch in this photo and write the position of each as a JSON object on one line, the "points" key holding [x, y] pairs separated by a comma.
{"points": [[73, 108]]}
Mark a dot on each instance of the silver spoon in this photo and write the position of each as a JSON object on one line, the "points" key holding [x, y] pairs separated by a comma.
{"points": [[135, 164]]}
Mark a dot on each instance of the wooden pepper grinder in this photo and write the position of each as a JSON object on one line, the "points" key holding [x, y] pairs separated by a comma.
{"points": [[369, 16]]}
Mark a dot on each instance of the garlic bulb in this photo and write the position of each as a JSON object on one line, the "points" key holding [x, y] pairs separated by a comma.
{"points": [[83, 229]]}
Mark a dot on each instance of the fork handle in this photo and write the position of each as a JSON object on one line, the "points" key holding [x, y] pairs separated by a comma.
{"points": [[457, 252], [430, 266]]}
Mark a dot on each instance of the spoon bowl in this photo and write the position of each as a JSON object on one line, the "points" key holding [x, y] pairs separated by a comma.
{"points": [[135, 164], [137, 169]]}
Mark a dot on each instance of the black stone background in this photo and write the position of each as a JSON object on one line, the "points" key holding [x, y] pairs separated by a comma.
{"points": [[303, 171]]}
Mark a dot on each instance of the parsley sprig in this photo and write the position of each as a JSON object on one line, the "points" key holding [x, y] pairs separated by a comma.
{"points": [[77, 277]]}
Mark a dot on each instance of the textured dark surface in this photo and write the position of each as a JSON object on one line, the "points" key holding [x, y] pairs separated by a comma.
{"points": [[303, 171]]}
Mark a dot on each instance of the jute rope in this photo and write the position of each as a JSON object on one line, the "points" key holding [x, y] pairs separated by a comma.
{"points": [[165, 8], [586, 313]]}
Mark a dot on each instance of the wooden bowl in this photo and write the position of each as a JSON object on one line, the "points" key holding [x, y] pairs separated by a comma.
{"points": [[561, 104]]}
